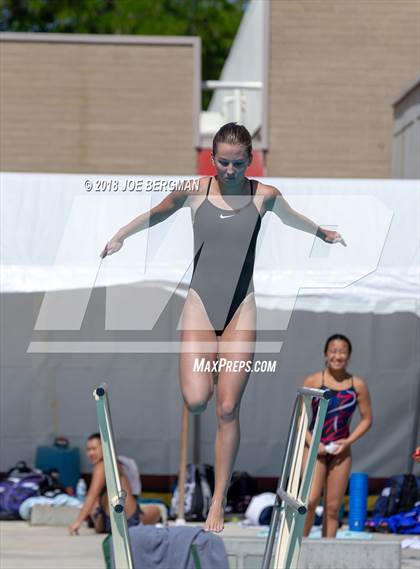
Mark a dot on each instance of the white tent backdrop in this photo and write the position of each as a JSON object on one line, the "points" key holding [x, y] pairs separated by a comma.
{"points": [[67, 323]]}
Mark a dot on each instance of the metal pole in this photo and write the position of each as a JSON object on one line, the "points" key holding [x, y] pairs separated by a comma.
{"points": [[414, 438], [237, 99], [283, 477], [289, 554], [291, 505], [182, 465], [116, 495], [196, 451]]}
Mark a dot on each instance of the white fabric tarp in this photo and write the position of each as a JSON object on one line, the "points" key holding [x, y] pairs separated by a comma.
{"points": [[52, 232]]}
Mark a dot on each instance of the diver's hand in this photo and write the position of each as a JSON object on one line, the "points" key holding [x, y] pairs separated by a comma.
{"points": [[330, 236], [113, 246]]}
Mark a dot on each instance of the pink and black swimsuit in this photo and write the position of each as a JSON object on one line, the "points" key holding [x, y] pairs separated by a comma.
{"points": [[339, 413]]}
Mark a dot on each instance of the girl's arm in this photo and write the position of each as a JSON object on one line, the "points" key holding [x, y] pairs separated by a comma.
{"points": [[365, 410], [276, 203], [174, 201], [96, 486]]}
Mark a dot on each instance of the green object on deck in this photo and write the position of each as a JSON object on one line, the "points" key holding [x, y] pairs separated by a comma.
{"points": [[195, 556], [106, 550]]}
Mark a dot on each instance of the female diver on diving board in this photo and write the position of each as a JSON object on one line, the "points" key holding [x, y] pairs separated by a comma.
{"points": [[226, 215]]}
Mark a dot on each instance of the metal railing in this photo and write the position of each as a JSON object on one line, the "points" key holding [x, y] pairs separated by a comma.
{"points": [[292, 495], [290, 508], [237, 98], [116, 495]]}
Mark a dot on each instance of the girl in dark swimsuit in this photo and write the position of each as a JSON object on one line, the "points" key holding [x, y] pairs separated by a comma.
{"points": [[333, 463], [219, 315]]}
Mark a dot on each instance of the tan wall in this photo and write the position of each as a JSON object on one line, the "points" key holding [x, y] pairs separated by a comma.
{"points": [[99, 108], [335, 68]]}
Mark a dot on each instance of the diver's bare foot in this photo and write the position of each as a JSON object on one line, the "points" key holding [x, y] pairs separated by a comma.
{"points": [[215, 519]]}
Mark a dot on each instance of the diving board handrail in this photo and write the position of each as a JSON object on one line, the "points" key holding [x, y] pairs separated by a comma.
{"points": [[116, 494], [292, 495]]}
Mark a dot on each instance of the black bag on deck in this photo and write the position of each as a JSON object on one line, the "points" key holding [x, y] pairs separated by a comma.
{"points": [[399, 494], [21, 482], [199, 480], [241, 489], [410, 493]]}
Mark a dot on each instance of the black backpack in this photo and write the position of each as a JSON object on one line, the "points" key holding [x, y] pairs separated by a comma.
{"points": [[199, 484], [410, 493], [399, 494], [241, 489]]}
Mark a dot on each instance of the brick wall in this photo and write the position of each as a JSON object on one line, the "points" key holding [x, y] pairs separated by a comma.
{"points": [[97, 107], [335, 68]]}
